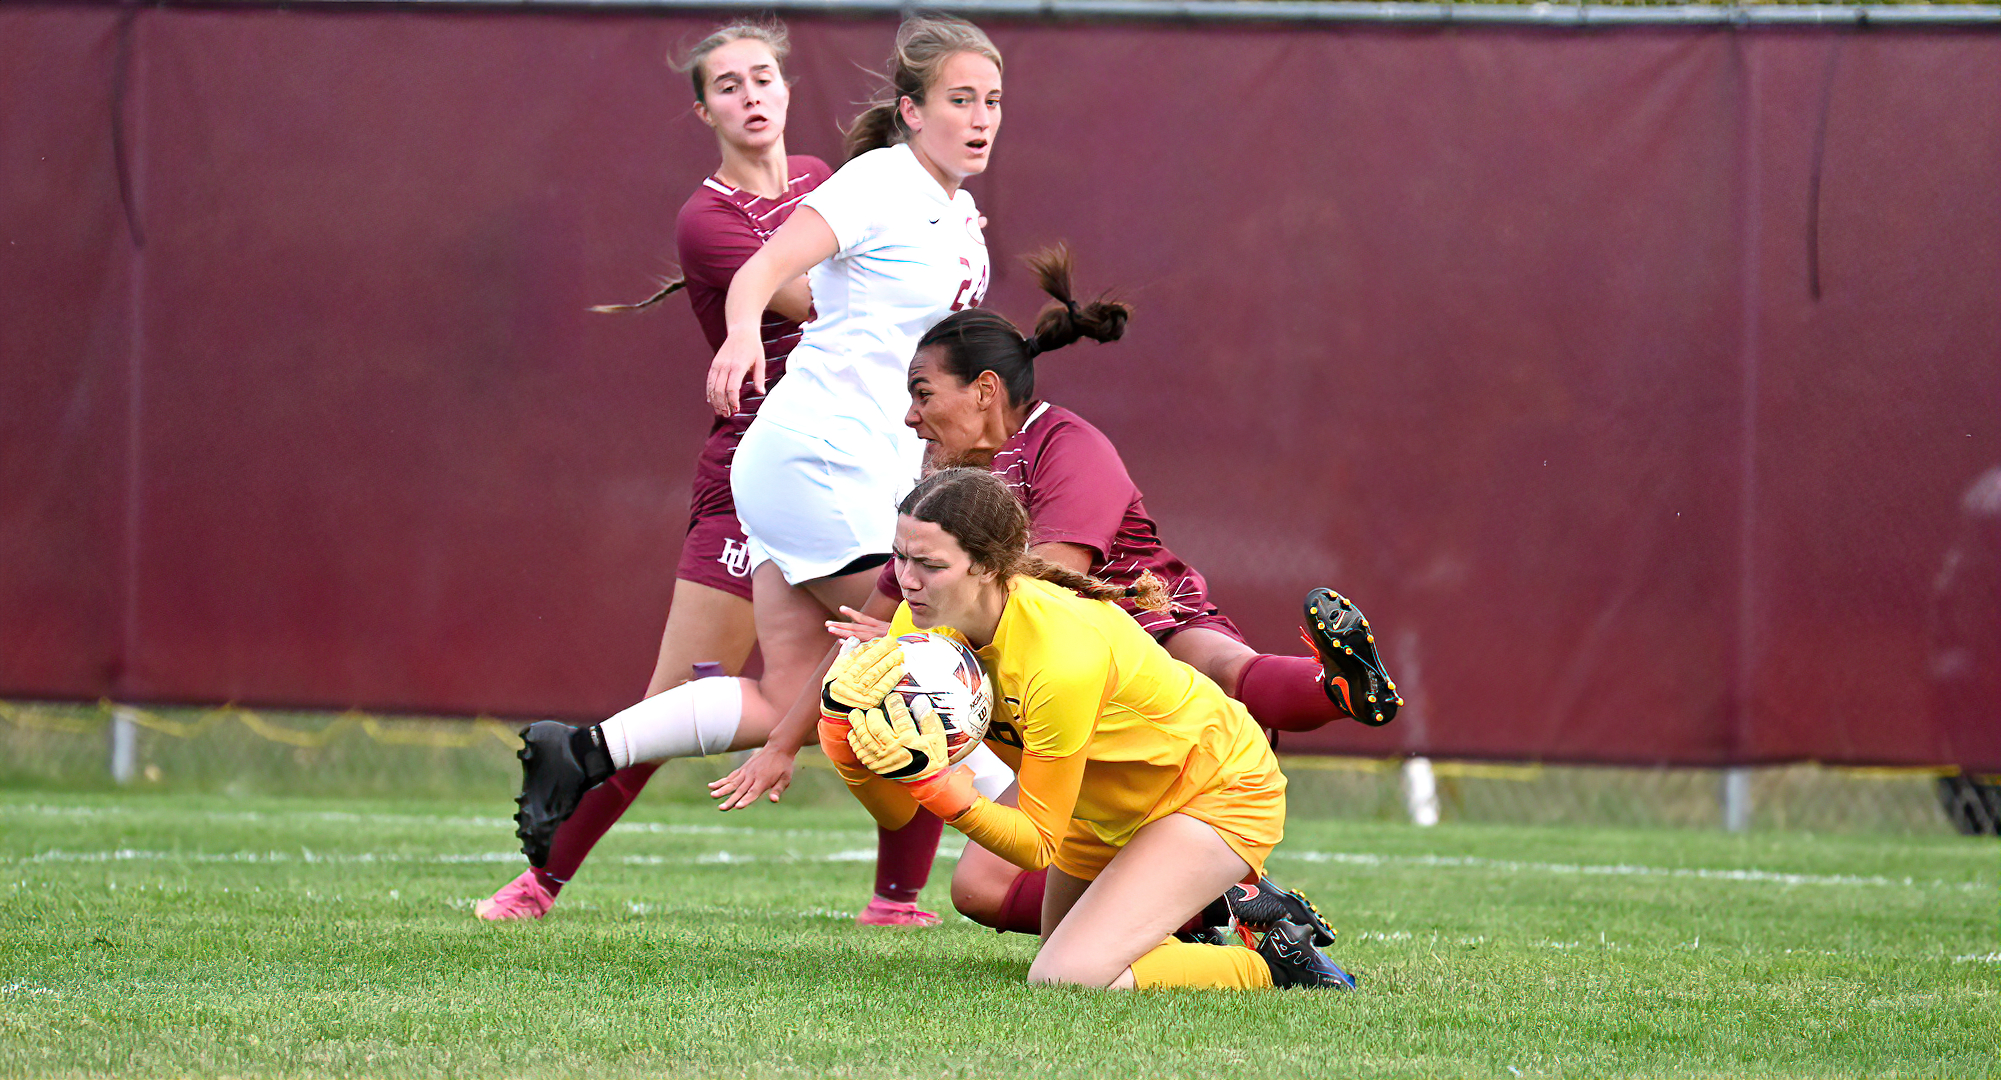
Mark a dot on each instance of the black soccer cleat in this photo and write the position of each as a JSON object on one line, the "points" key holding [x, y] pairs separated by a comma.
{"points": [[1207, 935], [1340, 637], [1288, 950], [1264, 905], [555, 773]]}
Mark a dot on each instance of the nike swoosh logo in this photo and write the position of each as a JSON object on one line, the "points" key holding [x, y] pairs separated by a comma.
{"points": [[934, 221]]}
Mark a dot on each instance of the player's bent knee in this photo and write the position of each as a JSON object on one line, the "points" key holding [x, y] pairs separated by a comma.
{"points": [[1073, 971], [977, 901], [889, 802], [980, 886], [834, 741]]}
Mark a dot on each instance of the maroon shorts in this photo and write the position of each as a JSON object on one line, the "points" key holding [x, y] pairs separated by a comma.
{"points": [[714, 553]]}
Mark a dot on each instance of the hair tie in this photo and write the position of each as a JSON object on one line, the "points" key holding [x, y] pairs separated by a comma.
{"points": [[1072, 306], [1032, 345]]}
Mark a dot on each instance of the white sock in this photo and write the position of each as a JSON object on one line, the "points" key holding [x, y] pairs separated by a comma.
{"points": [[991, 776], [689, 720]]}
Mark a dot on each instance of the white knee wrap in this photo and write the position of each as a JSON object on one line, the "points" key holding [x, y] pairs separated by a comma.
{"points": [[991, 776], [690, 720]]}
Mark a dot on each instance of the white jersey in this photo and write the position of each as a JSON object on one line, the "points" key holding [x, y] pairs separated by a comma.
{"points": [[908, 257]]}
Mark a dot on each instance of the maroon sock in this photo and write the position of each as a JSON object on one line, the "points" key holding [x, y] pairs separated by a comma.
{"points": [[903, 856], [1284, 693], [1021, 908], [597, 811]]}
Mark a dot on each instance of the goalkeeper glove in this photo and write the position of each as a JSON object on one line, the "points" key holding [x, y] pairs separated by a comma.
{"points": [[860, 677], [896, 745]]}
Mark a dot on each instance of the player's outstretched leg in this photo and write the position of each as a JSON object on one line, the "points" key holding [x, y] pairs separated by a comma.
{"points": [[1355, 678], [1288, 949], [558, 764]]}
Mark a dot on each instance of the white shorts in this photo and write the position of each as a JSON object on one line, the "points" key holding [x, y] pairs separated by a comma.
{"points": [[991, 776], [812, 506]]}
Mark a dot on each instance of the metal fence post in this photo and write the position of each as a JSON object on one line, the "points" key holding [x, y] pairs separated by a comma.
{"points": [[1420, 791], [1736, 799], [122, 739]]}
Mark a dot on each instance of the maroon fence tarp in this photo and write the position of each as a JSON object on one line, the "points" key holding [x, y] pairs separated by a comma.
{"points": [[1639, 383]]}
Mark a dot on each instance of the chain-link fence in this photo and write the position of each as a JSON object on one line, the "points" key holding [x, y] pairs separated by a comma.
{"points": [[234, 750]]}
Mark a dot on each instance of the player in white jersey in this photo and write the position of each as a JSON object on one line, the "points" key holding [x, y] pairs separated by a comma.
{"points": [[893, 244]]}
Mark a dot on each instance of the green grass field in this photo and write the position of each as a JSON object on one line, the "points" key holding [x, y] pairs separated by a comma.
{"points": [[186, 933]]}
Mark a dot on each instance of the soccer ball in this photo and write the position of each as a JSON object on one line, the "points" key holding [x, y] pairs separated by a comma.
{"points": [[943, 670]]}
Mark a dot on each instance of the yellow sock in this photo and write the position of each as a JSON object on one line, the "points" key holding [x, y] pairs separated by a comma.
{"points": [[1179, 963]]}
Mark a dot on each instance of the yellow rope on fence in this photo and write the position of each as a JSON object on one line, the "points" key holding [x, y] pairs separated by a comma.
{"points": [[456, 740], [1483, 770], [33, 718], [1374, 766], [462, 734], [1893, 772]]}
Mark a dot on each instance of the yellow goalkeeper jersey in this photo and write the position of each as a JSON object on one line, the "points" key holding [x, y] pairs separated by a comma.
{"points": [[1103, 727]]}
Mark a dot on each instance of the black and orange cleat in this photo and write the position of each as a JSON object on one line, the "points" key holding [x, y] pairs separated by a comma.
{"points": [[1288, 950], [1264, 905], [558, 764], [1341, 638]]}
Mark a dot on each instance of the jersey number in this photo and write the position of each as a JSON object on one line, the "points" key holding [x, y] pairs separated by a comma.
{"points": [[966, 287]]}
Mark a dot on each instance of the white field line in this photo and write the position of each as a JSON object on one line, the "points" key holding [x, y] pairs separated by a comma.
{"points": [[948, 851], [1447, 862], [1514, 866]]}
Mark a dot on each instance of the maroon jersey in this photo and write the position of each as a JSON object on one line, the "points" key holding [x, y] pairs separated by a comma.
{"points": [[718, 230], [1077, 491]]}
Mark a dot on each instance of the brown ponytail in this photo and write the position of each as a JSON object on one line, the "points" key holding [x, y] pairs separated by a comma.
{"points": [[1066, 321], [668, 286], [991, 525], [976, 340]]}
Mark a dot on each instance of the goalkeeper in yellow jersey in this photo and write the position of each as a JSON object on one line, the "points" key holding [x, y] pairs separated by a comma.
{"points": [[1143, 788]]}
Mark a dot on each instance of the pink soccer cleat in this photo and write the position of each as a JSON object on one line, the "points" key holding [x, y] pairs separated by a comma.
{"points": [[880, 912], [522, 898]]}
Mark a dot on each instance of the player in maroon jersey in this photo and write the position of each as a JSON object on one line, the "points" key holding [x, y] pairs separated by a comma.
{"points": [[740, 92], [972, 391]]}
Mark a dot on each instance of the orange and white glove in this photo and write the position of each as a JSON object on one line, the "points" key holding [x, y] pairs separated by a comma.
{"points": [[861, 676]]}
